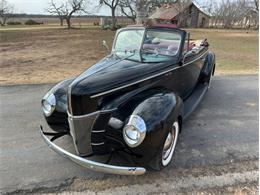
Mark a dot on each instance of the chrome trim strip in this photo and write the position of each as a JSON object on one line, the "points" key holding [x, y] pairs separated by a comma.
{"points": [[95, 166], [69, 98], [83, 116], [98, 131], [98, 144], [161, 73], [90, 114]]}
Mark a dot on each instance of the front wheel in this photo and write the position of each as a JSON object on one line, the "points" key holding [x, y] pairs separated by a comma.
{"points": [[165, 154]]}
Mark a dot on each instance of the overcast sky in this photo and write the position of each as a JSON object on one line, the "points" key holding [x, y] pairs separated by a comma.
{"points": [[39, 6]]}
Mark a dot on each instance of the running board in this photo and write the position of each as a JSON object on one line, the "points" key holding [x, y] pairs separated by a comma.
{"points": [[191, 103]]}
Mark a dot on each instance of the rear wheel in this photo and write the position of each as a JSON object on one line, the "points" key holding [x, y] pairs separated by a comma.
{"points": [[165, 154]]}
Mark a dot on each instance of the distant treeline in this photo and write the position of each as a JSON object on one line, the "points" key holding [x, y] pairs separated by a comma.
{"points": [[37, 19], [53, 16]]}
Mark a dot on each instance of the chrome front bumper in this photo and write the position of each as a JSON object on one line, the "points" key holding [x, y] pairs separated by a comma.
{"points": [[89, 164]]}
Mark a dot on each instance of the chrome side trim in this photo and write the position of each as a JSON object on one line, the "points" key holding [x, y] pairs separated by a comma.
{"points": [[69, 98], [95, 166], [98, 131], [139, 81], [97, 144]]}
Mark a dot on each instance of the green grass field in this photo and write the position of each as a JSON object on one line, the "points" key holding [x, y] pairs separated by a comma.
{"points": [[41, 54]]}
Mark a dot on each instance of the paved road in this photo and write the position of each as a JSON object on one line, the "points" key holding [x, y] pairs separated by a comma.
{"points": [[218, 146]]}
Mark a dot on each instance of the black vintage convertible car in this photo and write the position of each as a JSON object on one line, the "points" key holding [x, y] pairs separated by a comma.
{"points": [[134, 100]]}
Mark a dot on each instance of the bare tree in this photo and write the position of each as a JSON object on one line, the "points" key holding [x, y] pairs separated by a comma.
{"points": [[256, 5], [56, 10], [128, 8], [235, 13], [72, 7], [66, 9], [112, 4], [5, 12], [142, 9]]}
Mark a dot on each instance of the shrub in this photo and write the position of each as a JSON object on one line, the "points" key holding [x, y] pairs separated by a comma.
{"points": [[32, 22], [109, 27], [105, 27], [119, 26], [14, 23]]}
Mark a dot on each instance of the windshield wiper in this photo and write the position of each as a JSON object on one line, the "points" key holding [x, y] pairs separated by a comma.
{"points": [[126, 51], [132, 52]]}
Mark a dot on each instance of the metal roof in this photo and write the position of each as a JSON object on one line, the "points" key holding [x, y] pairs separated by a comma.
{"points": [[165, 13], [170, 11]]}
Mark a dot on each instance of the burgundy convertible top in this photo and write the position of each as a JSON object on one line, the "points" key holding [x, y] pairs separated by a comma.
{"points": [[166, 25], [155, 25]]}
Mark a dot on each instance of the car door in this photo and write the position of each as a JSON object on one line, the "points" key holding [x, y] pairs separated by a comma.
{"points": [[186, 76]]}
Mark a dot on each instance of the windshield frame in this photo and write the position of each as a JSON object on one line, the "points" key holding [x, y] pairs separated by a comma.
{"points": [[140, 49], [128, 29]]}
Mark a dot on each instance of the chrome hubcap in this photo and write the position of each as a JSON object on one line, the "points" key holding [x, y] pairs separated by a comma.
{"points": [[169, 144]]}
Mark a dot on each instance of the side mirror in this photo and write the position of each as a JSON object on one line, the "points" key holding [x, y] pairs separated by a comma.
{"points": [[104, 44]]}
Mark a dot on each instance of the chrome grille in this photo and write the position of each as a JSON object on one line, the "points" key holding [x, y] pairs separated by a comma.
{"points": [[80, 129]]}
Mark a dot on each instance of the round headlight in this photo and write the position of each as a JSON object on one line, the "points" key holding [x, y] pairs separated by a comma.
{"points": [[48, 104], [134, 131]]}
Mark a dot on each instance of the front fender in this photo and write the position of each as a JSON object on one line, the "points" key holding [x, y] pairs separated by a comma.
{"points": [[58, 119], [159, 112]]}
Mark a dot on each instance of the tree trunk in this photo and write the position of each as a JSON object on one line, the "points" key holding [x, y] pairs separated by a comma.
{"points": [[61, 21], [140, 13], [3, 22], [113, 19], [140, 16], [68, 21]]}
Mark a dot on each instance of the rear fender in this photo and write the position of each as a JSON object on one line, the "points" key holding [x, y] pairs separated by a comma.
{"points": [[209, 65]]}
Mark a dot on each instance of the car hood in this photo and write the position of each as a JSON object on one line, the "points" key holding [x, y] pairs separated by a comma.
{"points": [[112, 72]]}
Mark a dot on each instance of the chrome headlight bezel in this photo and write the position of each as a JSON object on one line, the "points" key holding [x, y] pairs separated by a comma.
{"points": [[134, 131], [48, 104]]}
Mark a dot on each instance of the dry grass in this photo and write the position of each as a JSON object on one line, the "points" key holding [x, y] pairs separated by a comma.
{"points": [[236, 50], [49, 55]]}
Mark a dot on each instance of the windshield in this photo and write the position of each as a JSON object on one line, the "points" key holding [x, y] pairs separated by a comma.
{"points": [[129, 40], [148, 46]]}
